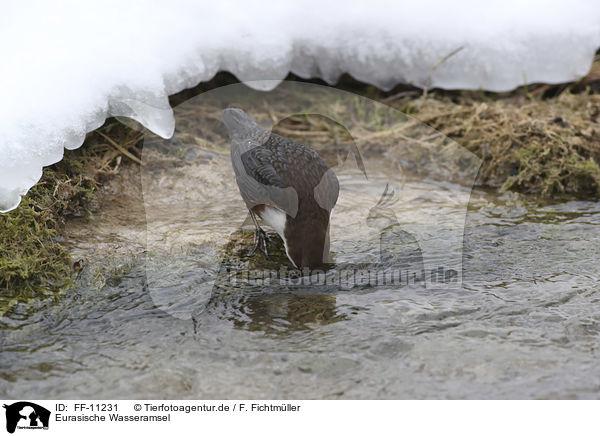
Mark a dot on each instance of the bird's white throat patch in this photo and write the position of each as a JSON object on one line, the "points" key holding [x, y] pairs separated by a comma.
{"points": [[274, 218]]}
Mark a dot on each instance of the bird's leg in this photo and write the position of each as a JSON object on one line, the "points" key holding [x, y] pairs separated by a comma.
{"points": [[260, 237]]}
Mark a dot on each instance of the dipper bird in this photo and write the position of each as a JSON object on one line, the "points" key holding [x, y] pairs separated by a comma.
{"points": [[287, 184]]}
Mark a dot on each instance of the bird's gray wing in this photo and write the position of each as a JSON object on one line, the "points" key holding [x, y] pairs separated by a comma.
{"points": [[258, 181], [257, 163]]}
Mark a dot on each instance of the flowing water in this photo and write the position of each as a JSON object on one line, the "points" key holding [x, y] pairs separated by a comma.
{"points": [[525, 324], [520, 320]]}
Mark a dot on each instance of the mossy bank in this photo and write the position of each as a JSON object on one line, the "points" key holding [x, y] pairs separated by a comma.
{"points": [[33, 260]]}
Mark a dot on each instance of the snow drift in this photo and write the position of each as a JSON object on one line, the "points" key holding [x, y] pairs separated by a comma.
{"points": [[66, 66]]}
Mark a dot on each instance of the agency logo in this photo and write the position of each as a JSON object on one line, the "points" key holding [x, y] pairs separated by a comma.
{"points": [[26, 415]]}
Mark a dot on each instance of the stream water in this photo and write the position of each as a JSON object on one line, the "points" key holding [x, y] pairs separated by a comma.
{"points": [[526, 324]]}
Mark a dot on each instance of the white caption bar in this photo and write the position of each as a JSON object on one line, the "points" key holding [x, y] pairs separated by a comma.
{"points": [[159, 417]]}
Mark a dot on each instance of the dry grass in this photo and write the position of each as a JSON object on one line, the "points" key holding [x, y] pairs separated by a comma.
{"points": [[550, 148]]}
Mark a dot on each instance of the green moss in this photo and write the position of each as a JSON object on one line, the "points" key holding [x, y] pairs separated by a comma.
{"points": [[240, 246], [30, 261], [33, 263]]}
